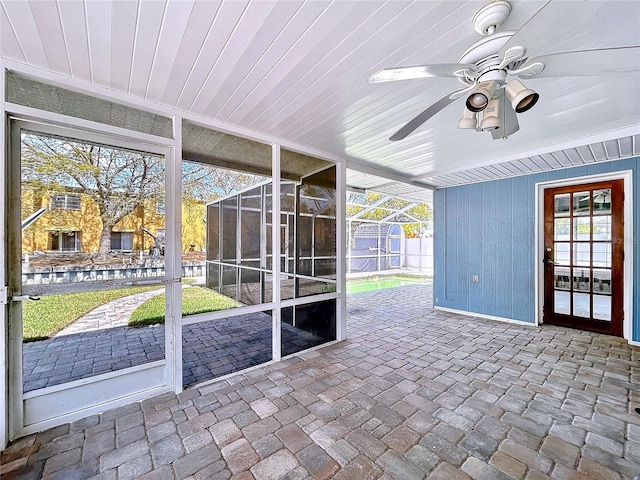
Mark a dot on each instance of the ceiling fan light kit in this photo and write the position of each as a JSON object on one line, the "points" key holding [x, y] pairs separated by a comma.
{"points": [[469, 120], [521, 97], [480, 96], [491, 116]]}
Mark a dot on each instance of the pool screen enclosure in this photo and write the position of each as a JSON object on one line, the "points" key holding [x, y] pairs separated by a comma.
{"points": [[239, 257]]}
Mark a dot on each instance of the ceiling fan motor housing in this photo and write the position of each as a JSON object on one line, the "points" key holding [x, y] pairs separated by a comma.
{"points": [[484, 53], [489, 18]]}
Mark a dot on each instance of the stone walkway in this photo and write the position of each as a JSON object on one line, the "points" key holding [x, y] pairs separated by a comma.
{"points": [[414, 393], [112, 314]]}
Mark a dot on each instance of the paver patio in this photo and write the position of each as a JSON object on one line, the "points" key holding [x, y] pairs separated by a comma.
{"points": [[414, 393], [210, 349]]}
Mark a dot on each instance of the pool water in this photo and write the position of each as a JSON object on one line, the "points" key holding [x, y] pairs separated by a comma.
{"points": [[356, 286]]}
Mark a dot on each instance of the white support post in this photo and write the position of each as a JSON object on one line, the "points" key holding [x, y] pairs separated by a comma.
{"points": [[379, 249], [263, 243], [276, 343], [420, 246], [341, 239], [13, 318], [4, 314], [237, 269], [348, 247], [313, 246], [173, 260]]}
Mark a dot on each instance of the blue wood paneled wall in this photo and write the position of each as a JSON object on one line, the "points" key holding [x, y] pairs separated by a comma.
{"points": [[488, 229]]}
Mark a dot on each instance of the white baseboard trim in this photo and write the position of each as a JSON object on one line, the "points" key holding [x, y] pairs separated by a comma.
{"points": [[487, 317], [503, 319]]}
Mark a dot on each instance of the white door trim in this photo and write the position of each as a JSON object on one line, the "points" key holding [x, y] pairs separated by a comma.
{"points": [[627, 177]]}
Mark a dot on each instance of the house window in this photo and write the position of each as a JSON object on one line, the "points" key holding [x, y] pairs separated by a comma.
{"points": [[160, 207], [122, 241], [61, 241], [65, 201]]}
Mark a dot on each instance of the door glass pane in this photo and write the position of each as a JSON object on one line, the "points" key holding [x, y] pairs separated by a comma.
{"points": [[581, 203], [602, 201], [602, 255], [90, 226], [581, 254], [561, 229], [602, 307], [602, 227], [581, 281], [582, 228], [602, 281], [561, 302], [581, 305], [562, 280], [561, 205], [561, 253]]}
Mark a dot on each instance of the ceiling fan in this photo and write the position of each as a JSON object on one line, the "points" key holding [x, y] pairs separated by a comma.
{"points": [[492, 69]]}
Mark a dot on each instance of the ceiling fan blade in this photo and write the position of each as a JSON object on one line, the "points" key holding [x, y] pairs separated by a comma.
{"points": [[424, 116], [419, 71], [611, 24], [588, 63]]}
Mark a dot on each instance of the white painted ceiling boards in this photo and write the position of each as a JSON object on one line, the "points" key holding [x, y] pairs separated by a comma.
{"points": [[297, 72]]}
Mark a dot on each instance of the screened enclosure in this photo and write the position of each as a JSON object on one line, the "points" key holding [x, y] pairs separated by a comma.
{"points": [[386, 240], [388, 234], [240, 258], [194, 254]]}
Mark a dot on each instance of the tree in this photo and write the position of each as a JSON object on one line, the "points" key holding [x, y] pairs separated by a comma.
{"points": [[201, 184], [205, 183], [117, 180]]}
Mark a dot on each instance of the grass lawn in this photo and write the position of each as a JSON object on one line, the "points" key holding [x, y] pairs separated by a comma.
{"points": [[52, 313], [194, 300]]}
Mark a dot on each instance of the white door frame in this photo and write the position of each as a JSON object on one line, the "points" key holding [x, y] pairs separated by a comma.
{"points": [[627, 177], [40, 409]]}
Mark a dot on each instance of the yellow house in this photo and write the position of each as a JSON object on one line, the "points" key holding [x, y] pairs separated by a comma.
{"points": [[70, 222]]}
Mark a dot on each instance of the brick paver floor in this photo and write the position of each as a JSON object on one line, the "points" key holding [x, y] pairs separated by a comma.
{"points": [[414, 393], [210, 350]]}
